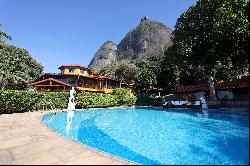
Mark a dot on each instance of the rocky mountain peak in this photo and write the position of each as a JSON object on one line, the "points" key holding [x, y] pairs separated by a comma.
{"points": [[105, 55], [149, 39], [144, 18]]}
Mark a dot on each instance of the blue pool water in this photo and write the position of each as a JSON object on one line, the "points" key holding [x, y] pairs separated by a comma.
{"points": [[159, 136]]}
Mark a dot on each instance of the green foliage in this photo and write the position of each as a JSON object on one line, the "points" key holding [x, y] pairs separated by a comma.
{"points": [[22, 101], [89, 100], [168, 77], [3, 36], [124, 71], [211, 31], [124, 96], [148, 72], [143, 99], [107, 70], [224, 72], [231, 30], [12, 101], [146, 78], [17, 67], [142, 72], [192, 74]]}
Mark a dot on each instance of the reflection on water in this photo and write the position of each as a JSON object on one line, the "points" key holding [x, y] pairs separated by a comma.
{"points": [[70, 115], [204, 103], [205, 113]]}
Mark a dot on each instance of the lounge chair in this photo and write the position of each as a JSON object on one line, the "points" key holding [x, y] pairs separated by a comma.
{"points": [[175, 104], [197, 104]]}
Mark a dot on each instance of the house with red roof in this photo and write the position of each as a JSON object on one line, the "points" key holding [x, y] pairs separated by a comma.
{"points": [[237, 89], [74, 75]]}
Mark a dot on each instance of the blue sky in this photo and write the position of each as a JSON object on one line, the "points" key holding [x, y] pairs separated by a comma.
{"points": [[57, 32]]}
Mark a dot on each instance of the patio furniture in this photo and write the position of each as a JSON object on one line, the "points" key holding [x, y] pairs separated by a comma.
{"points": [[175, 104], [195, 105]]}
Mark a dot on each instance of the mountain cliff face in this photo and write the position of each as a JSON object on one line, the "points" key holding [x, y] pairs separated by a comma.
{"points": [[104, 56], [148, 39]]}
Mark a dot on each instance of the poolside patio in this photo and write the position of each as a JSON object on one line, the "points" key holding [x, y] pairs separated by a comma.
{"points": [[25, 140]]}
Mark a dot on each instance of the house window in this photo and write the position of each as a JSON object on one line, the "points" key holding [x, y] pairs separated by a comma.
{"points": [[71, 70], [82, 71]]}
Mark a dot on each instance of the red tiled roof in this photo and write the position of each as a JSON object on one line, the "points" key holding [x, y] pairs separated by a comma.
{"points": [[239, 83], [92, 76], [101, 76], [192, 88], [49, 79], [74, 65]]}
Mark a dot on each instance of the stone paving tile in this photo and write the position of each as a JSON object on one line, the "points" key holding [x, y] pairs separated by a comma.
{"points": [[9, 143], [4, 128], [43, 158], [5, 156], [3, 137], [26, 150], [23, 131], [68, 151], [24, 140], [87, 158]]}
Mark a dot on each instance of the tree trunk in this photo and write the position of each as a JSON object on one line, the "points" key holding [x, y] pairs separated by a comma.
{"points": [[211, 87]]}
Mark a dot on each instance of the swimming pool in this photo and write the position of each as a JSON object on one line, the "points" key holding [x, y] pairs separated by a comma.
{"points": [[159, 136]]}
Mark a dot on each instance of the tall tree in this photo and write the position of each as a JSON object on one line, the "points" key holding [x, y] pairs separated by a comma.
{"points": [[124, 71], [168, 77], [147, 77], [213, 32], [17, 67]]}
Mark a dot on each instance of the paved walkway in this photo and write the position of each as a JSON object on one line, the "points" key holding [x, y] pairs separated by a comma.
{"points": [[24, 140]]}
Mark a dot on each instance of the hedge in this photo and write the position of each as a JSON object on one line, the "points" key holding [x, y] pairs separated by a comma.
{"points": [[12, 101], [119, 97]]}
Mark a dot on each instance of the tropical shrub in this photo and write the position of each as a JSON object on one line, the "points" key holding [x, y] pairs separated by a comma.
{"points": [[13, 101], [124, 96]]}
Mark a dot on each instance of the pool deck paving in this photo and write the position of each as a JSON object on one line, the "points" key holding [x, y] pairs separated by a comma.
{"points": [[25, 140]]}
